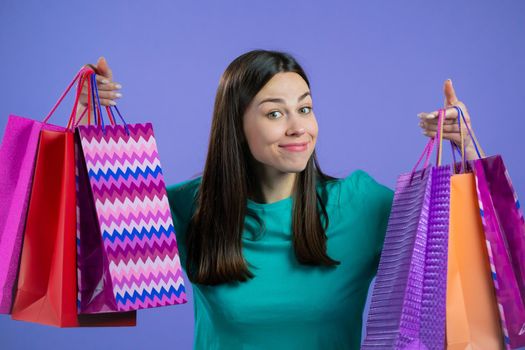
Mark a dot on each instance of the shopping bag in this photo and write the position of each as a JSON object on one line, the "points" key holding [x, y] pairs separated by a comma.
{"points": [[504, 227], [472, 313], [17, 156], [128, 256], [47, 287], [407, 305]]}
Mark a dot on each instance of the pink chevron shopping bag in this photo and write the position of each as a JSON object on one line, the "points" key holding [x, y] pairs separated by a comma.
{"points": [[127, 251]]}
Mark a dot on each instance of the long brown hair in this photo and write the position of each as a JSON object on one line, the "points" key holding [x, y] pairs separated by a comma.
{"points": [[214, 249]]}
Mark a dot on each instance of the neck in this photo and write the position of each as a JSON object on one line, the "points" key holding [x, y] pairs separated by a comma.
{"points": [[273, 185]]}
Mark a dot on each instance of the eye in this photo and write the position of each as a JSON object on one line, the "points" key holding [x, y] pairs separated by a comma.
{"points": [[309, 109], [271, 115]]}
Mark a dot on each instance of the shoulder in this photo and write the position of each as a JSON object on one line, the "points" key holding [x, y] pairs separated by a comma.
{"points": [[361, 181], [183, 190], [181, 197], [358, 186]]}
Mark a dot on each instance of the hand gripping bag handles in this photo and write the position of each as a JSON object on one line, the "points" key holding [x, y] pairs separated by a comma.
{"points": [[128, 255], [47, 287], [407, 309], [504, 228], [472, 315]]}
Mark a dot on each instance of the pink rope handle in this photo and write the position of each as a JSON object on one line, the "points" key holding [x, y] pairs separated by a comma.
{"points": [[87, 76], [77, 76], [439, 135], [431, 144], [80, 86]]}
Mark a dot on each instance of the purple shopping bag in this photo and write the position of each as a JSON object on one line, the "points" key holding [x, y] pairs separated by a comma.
{"points": [[127, 250], [505, 234], [17, 156], [407, 309]]}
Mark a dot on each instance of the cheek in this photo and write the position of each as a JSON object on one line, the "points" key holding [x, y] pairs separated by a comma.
{"points": [[313, 129], [261, 138]]}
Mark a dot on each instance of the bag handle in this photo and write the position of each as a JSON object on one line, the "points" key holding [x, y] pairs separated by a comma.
{"points": [[479, 151], [80, 86], [432, 143], [93, 96], [61, 98], [462, 149]]}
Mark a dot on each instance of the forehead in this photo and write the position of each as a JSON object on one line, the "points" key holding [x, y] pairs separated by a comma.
{"points": [[283, 84]]}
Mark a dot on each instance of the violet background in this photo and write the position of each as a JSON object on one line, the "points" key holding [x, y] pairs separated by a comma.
{"points": [[373, 66]]}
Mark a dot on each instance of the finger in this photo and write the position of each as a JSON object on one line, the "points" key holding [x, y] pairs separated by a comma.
{"points": [[106, 94], [109, 87], [448, 136], [450, 113], [103, 101], [103, 68], [104, 87], [450, 93], [435, 121], [102, 79], [446, 128]]}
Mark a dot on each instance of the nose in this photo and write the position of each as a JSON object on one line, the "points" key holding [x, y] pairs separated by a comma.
{"points": [[295, 127]]}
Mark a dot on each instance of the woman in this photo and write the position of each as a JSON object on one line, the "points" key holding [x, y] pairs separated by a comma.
{"points": [[280, 254]]}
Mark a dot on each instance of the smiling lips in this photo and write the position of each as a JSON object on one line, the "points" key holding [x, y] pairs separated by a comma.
{"points": [[295, 147]]}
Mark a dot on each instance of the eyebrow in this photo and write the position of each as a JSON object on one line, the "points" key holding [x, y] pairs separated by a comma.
{"points": [[280, 100]]}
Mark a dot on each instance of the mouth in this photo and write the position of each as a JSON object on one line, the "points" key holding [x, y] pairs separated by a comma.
{"points": [[295, 147]]}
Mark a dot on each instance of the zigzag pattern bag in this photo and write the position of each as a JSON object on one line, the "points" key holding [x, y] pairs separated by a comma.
{"points": [[128, 255]]}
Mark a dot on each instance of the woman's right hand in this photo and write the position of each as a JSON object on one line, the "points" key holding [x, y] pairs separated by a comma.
{"points": [[108, 90]]}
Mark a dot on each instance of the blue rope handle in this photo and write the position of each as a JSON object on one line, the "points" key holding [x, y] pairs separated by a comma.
{"points": [[460, 113], [98, 109]]}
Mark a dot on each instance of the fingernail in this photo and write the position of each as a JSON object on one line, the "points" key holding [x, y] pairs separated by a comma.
{"points": [[113, 103], [105, 81], [118, 86], [118, 94]]}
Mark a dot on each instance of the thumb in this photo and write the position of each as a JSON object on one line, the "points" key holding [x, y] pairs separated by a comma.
{"points": [[450, 93], [103, 68]]}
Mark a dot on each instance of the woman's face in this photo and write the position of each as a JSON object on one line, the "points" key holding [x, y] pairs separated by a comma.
{"points": [[279, 116]]}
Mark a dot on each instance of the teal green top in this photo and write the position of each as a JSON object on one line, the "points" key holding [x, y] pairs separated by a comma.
{"points": [[288, 305]]}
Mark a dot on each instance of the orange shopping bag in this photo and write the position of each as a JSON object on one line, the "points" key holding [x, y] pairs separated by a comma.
{"points": [[472, 315]]}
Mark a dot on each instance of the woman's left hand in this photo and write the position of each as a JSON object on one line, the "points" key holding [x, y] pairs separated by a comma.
{"points": [[428, 121]]}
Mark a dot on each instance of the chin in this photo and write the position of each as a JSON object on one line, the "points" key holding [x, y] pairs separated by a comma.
{"points": [[294, 169]]}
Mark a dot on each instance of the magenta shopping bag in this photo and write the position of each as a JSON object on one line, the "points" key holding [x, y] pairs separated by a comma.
{"points": [[17, 158], [505, 234], [127, 250], [407, 309]]}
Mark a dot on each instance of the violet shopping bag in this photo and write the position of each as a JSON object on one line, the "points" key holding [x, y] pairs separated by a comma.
{"points": [[47, 286], [505, 235], [407, 306], [128, 259]]}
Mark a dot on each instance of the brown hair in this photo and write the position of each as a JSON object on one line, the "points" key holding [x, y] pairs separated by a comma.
{"points": [[214, 232]]}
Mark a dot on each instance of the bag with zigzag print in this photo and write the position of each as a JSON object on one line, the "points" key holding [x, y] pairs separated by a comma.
{"points": [[127, 251]]}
